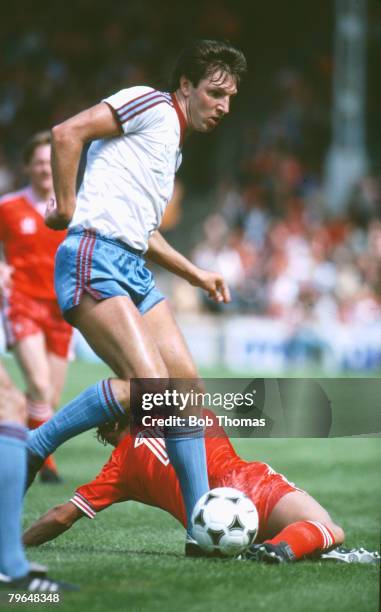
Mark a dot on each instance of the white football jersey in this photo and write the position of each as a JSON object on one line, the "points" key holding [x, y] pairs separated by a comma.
{"points": [[128, 180]]}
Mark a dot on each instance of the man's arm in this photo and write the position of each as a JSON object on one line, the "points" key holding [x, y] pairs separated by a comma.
{"points": [[68, 140], [160, 252], [52, 524]]}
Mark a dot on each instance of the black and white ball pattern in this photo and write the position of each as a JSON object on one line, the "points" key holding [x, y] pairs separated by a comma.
{"points": [[224, 520]]}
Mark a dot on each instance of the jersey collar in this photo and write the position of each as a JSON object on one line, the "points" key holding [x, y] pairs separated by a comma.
{"points": [[31, 197], [181, 118]]}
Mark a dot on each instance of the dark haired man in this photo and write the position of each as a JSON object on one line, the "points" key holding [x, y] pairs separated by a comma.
{"points": [[34, 327], [103, 286]]}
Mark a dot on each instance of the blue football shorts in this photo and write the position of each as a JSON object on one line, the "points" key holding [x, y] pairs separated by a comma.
{"points": [[87, 261]]}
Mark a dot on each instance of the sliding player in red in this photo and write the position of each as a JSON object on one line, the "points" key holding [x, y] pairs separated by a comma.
{"points": [[292, 524]]}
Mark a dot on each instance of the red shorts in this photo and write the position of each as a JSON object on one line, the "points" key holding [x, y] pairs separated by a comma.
{"points": [[25, 316], [262, 484]]}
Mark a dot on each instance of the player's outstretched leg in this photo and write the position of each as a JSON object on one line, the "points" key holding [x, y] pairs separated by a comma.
{"points": [[298, 527], [96, 405]]}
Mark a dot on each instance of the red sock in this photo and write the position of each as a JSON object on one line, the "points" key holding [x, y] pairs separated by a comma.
{"points": [[50, 463], [39, 413], [305, 537]]}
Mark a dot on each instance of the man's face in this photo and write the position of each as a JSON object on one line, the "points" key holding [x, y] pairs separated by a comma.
{"points": [[39, 169], [209, 101]]}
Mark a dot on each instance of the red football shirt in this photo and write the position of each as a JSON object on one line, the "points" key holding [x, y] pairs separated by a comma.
{"points": [[139, 470], [29, 245]]}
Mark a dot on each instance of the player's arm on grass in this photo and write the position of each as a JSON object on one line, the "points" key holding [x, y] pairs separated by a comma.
{"points": [[107, 488], [50, 525], [160, 252], [68, 140]]}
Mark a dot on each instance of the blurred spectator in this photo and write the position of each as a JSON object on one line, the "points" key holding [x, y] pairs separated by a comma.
{"points": [[365, 201], [292, 264]]}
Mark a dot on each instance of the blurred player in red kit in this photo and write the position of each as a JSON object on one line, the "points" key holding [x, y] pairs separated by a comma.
{"points": [[292, 524], [34, 327]]}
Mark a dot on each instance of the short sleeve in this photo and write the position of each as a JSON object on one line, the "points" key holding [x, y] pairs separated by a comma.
{"points": [[106, 489], [137, 108]]}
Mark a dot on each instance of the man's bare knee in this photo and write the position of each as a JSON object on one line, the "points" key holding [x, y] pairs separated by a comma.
{"points": [[337, 532]]}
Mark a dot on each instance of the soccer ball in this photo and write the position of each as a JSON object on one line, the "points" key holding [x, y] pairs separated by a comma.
{"points": [[224, 521]]}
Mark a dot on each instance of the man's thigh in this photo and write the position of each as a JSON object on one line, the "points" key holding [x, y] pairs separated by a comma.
{"points": [[296, 506], [120, 336]]}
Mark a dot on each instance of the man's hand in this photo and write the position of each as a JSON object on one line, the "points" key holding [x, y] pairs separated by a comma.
{"points": [[166, 256], [5, 277], [214, 284], [54, 219]]}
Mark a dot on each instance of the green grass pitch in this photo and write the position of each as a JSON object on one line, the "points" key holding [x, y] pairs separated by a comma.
{"points": [[131, 556]]}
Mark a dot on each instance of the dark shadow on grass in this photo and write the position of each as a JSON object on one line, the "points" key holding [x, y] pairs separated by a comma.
{"points": [[79, 549], [69, 548]]}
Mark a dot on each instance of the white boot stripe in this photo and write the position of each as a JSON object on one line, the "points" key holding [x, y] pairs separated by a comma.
{"points": [[327, 534], [34, 585], [44, 585]]}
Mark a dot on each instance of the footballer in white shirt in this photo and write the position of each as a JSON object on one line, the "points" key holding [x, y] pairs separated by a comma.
{"points": [[103, 286]]}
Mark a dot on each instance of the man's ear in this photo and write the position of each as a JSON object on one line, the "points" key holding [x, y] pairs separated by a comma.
{"points": [[185, 86]]}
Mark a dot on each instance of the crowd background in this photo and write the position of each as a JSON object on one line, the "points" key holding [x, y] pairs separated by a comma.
{"points": [[253, 191]]}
